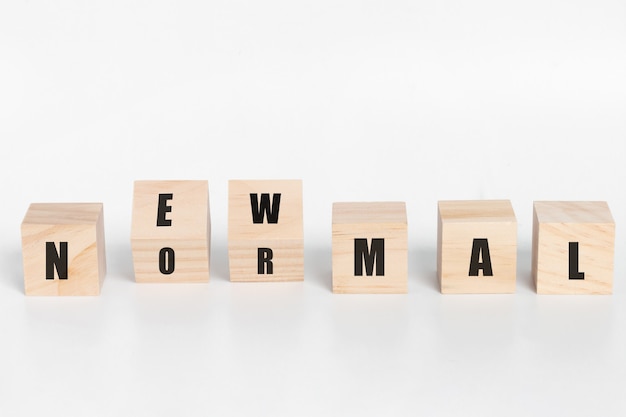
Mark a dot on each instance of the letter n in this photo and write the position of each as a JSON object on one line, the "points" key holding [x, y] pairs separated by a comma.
{"points": [[56, 260]]}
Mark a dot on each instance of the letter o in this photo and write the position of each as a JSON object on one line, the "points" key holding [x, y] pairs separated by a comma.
{"points": [[166, 261]]}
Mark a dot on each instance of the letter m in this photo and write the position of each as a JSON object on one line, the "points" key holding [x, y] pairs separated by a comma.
{"points": [[369, 257]]}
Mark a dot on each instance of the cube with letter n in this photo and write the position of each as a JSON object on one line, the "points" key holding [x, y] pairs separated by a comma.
{"points": [[370, 252], [171, 231], [265, 230], [63, 249]]}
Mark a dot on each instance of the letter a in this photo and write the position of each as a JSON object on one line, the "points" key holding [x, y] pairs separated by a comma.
{"points": [[480, 246]]}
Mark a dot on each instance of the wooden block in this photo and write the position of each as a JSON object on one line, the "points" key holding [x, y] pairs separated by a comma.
{"points": [[573, 247], [63, 249], [265, 230], [476, 247], [171, 231], [370, 252]]}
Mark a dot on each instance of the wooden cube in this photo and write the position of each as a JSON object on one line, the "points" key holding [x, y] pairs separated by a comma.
{"points": [[171, 231], [573, 247], [370, 252], [476, 247], [63, 249], [265, 230]]}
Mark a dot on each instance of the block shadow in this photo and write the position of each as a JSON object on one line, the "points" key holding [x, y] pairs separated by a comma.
{"points": [[524, 269], [423, 267], [219, 261], [12, 269], [119, 259], [318, 266]]}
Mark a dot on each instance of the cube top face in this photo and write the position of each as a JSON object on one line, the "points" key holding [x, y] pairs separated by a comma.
{"points": [[573, 247], [369, 213], [63, 214], [573, 212], [477, 247], [370, 248], [182, 205], [63, 249], [253, 214], [476, 211]]}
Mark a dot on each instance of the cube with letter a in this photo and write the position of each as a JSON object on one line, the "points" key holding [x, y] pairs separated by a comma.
{"points": [[370, 252], [265, 230], [171, 231], [477, 247], [63, 249], [573, 247]]}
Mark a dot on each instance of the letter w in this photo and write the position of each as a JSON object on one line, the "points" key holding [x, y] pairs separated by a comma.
{"points": [[260, 210]]}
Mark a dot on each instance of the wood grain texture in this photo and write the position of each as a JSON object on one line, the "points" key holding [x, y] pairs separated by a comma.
{"points": [[81, 225], [189, 234], [373, 220], [459, 223], [285, 238], [555, 224]]}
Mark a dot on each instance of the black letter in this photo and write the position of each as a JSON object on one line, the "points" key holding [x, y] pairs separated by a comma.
{"points": [[362, 253], [257, 211], [264, 256], [480, 245], [164, 208], [166, 256], [573, 262], [53, 259]]}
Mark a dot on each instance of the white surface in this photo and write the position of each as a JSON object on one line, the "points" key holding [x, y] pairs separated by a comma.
{"points": [[373, 100]]}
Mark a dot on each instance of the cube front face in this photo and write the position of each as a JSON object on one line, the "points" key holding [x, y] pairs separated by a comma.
{"points": [[63, 249], [573, 247], [477, 247], [171, 231], [370, 248], [265, 230]]}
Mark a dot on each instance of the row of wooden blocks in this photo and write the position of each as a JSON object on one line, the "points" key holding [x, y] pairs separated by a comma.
{"points": [[63, 244]]}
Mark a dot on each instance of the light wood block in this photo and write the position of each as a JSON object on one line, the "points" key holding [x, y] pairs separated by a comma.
{"points": [[476, 247], [573, 247], [63, 249], [171, 219], [370, 248], [272, 249]]}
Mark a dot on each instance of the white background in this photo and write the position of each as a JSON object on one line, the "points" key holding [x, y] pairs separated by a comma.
{"points": [[414, 101]]}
